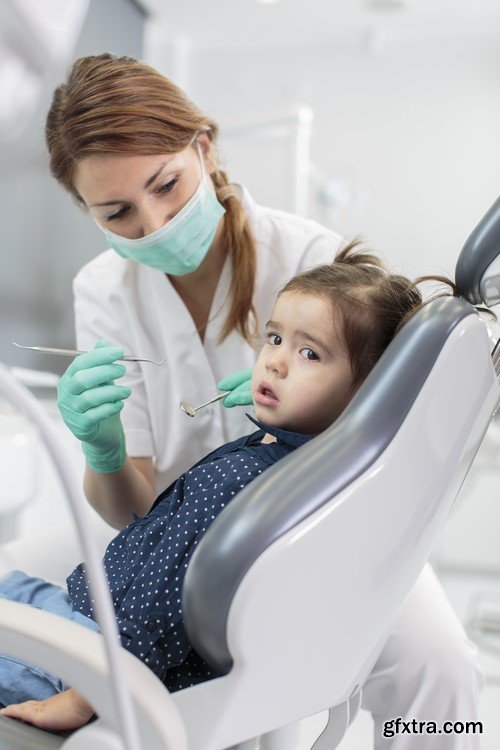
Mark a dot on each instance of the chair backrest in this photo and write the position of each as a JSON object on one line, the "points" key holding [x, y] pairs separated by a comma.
{"points": [[298, 486], [478, 268], [310, 563]]}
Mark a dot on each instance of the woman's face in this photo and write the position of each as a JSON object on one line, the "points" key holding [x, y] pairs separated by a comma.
{"points": [[134, 196]]}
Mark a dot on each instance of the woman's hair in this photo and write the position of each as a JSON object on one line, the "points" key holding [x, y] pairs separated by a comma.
{"points": [[118, 105], [369, 303]]}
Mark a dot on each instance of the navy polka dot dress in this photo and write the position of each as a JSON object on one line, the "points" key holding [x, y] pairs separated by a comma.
{"points": [[146, 563]]}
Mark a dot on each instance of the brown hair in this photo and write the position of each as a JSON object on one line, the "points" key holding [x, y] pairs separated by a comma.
{"points": [[372, 303], [118, 105]]}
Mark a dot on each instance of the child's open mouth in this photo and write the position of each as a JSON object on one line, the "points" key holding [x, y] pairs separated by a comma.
{"points": [[265, 396]]}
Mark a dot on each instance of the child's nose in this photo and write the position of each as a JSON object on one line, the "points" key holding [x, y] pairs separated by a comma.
{"points": [[276, 362]]}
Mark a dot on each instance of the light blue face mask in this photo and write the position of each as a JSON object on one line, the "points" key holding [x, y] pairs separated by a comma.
{"points": [[180, 245]]}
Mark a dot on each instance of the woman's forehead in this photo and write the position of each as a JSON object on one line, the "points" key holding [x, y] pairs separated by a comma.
{"points": [[100, 177]]}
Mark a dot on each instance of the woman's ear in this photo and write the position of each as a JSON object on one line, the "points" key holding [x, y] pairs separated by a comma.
{"points": [[207, 152]]}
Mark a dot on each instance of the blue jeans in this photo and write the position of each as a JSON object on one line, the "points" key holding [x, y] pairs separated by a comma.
{"points": [[20, 681]]}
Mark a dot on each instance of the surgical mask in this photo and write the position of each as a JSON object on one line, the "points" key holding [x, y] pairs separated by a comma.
{"points": [[179, 246]]}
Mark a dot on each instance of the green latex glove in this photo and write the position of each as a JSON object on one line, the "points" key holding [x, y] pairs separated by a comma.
{"points": [[240, 385], [90, 405]]}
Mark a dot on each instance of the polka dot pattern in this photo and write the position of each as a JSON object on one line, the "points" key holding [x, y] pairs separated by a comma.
{"points": [[146, 563]]}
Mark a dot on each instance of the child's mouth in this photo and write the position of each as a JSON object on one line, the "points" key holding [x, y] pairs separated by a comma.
{"points": [[265, 396]]}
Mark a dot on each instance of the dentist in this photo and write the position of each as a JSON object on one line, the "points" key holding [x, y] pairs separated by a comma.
{"points": [[190, 274]]}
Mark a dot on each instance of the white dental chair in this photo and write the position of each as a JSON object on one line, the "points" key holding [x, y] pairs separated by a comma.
{"points": [[295, 587]]}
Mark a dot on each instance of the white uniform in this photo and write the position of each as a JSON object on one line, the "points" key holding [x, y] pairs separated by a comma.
{"points": [[136, 307], [427, 670]]}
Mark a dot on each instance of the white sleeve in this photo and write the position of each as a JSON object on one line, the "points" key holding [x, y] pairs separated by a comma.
{"points": [[99, 315], [322, 249]]}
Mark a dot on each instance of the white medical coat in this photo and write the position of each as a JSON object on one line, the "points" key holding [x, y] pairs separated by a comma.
{"points": [[137, 308]]}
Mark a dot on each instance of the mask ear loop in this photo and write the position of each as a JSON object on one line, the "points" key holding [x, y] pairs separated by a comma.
{"points": [[202, 160]]}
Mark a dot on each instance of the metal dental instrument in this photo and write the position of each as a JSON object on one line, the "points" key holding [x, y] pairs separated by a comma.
{"points": [[75, 352], [191, 410]]}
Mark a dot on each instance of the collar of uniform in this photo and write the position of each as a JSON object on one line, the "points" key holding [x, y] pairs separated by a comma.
{"points": [[284, 436]]}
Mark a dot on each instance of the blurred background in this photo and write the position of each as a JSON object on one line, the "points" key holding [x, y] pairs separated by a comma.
{"points": [[400, 107], [374, 117]]}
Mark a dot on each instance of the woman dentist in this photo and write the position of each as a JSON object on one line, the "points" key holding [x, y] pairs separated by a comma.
{"points": [[190, 274]]}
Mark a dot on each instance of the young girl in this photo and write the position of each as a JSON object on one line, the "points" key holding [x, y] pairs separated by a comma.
{"points": [[328, 328]]}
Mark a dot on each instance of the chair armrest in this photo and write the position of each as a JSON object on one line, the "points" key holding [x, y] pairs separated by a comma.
{"points": [[77, 655]]}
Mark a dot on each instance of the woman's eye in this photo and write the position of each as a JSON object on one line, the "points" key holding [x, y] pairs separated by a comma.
{"points": [[309, 354], [273, 339], [119, 214], [167, 187]]}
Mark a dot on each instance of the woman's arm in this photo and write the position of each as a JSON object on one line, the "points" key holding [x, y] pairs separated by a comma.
{"points": [[63, 712], [90, 403], [115, 496]]}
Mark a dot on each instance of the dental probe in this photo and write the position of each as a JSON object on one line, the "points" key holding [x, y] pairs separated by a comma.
{"points": [[191, 410], [75, 352]]}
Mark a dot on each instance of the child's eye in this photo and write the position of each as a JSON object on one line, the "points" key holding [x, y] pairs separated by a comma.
{"points": [[309, 354], [119, 214], [167, 187], [273, 339]]}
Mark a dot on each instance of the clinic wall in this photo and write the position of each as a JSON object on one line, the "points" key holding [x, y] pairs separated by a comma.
{"points": [[412, 130], [46, 238]]}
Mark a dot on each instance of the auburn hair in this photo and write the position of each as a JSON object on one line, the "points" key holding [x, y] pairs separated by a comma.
{"points": [[118, 105], [369, 303]]}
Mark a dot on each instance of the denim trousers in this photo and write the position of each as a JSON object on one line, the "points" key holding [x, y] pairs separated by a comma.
{"points": [[20, 681]]}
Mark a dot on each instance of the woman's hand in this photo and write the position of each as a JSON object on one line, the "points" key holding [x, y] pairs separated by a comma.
{"points": [[63, 712], [240, 385], [90, 405]]}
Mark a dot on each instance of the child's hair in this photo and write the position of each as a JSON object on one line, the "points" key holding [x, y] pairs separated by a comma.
{"points": [[371, 303]]}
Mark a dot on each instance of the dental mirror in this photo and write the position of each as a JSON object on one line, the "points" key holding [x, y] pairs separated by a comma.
{"points": [[191, 410]]}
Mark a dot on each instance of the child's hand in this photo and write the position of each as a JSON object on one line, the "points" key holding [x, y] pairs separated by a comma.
{"points": [[64, 711]]}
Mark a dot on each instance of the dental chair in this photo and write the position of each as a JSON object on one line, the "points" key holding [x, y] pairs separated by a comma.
{"points": [[296, 586]]}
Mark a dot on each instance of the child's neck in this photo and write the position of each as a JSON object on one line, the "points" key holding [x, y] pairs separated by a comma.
{"points": [[268, 438]]}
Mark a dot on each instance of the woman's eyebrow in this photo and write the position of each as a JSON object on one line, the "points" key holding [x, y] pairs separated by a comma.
{"points": [[107, 203], [148, 182], [157, 173]]}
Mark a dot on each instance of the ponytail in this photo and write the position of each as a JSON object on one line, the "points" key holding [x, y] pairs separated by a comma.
{"points": [[239, 240]]}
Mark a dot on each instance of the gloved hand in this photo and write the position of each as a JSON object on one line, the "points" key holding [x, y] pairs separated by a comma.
{"points": [[90, 405], [240, 385]]}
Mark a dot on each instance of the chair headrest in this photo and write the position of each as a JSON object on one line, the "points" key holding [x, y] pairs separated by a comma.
{"points": [[477, 274]]}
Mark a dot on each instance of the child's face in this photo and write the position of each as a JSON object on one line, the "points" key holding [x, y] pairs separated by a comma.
{"points": [[302, 378]]}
